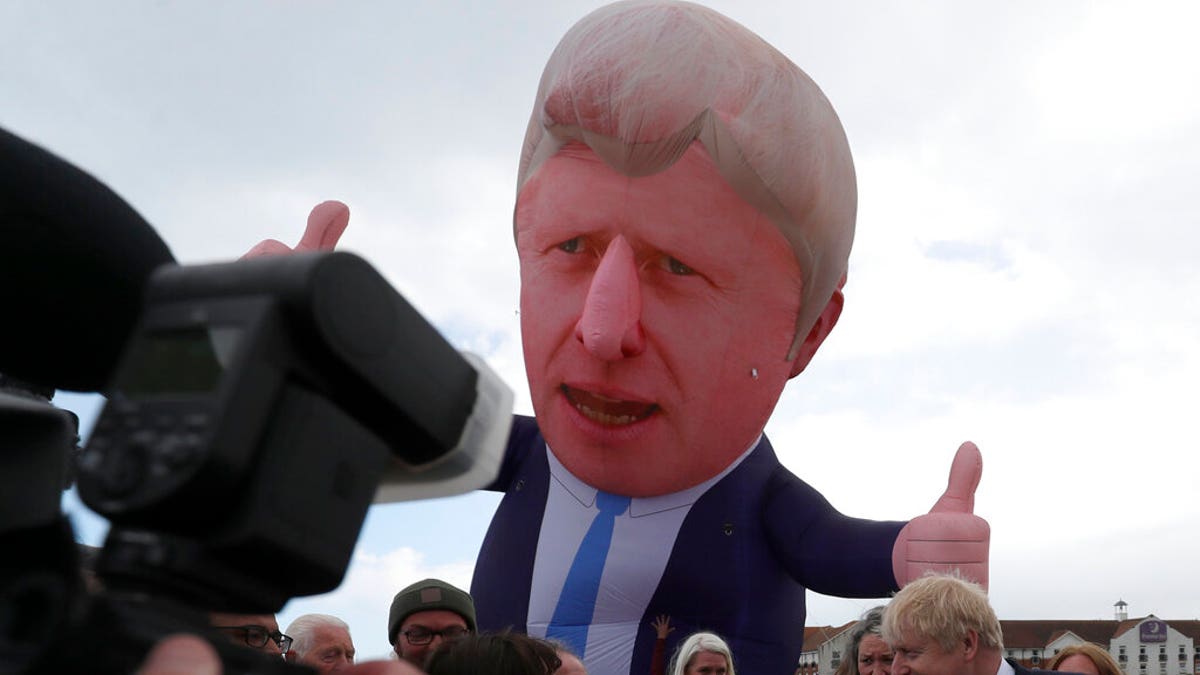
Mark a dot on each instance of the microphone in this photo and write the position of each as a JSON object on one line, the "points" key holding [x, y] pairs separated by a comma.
{"points": [[74, 257]]}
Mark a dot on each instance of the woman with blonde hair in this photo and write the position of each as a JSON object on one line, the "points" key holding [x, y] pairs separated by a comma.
{"points": [[1085, 658], [702, 654]]}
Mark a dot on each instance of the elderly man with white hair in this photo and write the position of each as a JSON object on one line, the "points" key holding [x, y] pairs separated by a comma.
{"points": [[322, 642]]}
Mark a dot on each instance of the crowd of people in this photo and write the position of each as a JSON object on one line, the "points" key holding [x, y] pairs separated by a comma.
{"points": [[431, 626], [941, 624]]}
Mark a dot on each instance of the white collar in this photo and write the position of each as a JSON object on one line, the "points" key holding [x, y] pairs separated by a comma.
{"points": [[642, 506], [1005, 668]]}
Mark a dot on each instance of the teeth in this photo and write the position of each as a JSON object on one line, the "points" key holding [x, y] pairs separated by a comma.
{"points": [[605, 418]]}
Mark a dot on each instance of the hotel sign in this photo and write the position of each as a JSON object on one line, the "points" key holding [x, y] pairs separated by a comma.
{"points": [[1153, 631]]}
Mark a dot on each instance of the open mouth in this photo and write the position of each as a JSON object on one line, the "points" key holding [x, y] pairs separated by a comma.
{"points": [[611, 412]]}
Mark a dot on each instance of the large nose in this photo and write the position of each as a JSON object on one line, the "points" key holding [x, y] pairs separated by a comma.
{"points": [[611, 324]]}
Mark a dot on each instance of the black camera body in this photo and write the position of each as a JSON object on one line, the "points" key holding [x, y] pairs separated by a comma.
{"points": [[259, 406], [259, 410]]}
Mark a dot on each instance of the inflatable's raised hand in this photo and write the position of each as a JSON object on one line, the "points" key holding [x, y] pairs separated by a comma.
{"points": [[326, 223], [950, 536]]}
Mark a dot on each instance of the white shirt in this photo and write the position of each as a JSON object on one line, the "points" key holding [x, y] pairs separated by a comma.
{"points": [[642, 540], [1005, 668]]}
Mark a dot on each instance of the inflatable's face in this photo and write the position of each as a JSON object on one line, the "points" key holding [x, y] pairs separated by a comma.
{"points": [[656, 314]]}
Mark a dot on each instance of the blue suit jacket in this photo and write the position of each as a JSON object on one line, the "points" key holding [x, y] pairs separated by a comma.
{"points": [[739, 567]]}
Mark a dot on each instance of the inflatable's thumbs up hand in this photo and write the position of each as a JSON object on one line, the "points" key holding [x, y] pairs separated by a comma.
{"points": [[949, 537], [326, 223]]}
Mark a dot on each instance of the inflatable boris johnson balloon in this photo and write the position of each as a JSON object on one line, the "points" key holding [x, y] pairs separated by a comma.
{"points": [[685, 209]]}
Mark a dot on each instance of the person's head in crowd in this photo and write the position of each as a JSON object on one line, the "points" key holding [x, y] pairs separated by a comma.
{"points": [[1085, 658], [571, 665], [185, 654], [256, 631], [495, 654], [426, 614], [702, 654], [322, 642], [868, 654], [942, 624]]}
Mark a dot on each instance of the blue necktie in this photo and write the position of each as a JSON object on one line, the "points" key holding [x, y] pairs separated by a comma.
{"points": [[577, 602]]}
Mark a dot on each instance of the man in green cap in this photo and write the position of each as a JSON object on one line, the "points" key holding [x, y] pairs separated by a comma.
{"points": [[424, 615]]}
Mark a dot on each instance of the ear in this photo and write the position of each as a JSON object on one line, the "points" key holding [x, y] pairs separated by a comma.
{"points": [[970, 643], [820, 331]]}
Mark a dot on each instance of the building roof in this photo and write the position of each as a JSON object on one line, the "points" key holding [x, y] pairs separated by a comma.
{"points": [[1190, 627], [1034, 634], [1039, 633], [815, 636]]}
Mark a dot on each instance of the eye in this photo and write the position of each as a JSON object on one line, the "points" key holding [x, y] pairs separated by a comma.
{"points": [[571, 245], [674, 266]]}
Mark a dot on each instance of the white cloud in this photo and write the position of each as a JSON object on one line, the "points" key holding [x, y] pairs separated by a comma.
{"points": [[1124, 74]]}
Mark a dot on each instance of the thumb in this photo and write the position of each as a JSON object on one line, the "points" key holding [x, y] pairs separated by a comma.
{"points": [[964, 478], [267, 247], [326, 223]]}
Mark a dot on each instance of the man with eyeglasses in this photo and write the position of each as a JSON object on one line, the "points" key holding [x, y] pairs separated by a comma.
{"points": [[424, 615], [257, 631]]}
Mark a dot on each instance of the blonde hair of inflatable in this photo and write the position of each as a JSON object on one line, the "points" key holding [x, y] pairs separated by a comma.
{"points": [[638, 82]]}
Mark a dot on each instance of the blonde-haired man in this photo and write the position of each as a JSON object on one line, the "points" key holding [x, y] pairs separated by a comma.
{"points": [[942, 624]]}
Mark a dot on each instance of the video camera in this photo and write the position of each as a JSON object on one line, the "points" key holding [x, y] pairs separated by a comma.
{"points": [[258, 409]]}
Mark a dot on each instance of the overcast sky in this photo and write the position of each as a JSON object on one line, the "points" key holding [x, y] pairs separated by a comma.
{"points": [[1023, 273]]}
